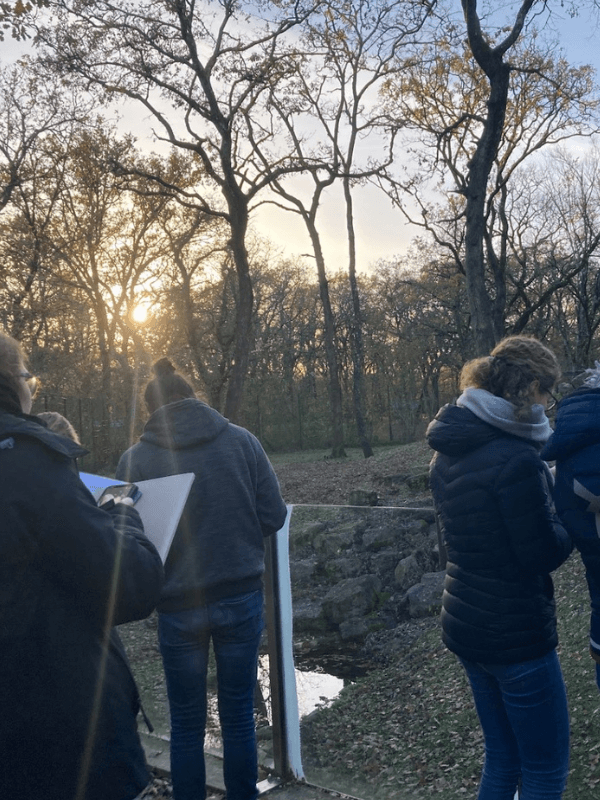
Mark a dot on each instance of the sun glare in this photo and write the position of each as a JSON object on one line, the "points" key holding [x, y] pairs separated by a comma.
{"points": [[140, 313]]}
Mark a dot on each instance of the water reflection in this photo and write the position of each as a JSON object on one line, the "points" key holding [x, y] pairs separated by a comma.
{"points": [[315, 689]]}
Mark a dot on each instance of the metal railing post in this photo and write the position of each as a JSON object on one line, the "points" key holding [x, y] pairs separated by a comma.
{"points": [[284, 699]]}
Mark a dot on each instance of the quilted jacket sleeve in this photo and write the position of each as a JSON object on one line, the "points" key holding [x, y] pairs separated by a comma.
{"points": [[537, 537], [578, 503]]}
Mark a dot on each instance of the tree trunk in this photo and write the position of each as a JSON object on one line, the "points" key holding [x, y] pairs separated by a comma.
{"points": [[356, 340], [484, 310], [481, 305], [238, 207], [333, 384]]}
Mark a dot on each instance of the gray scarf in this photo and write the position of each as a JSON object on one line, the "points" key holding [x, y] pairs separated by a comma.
{"points": [[500, 413]]}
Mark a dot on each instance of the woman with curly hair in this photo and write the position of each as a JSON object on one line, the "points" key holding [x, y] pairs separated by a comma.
{"points": [[503, 539]]}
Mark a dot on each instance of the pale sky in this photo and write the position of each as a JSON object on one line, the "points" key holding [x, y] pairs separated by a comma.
{"points": [[382, 231]]}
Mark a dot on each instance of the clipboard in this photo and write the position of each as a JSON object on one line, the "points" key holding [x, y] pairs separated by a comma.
{"points": [[160, 506]]}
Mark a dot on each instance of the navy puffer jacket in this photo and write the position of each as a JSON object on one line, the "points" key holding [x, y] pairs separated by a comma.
{"points": [[502, 537], [575, 446], [69, 571]]}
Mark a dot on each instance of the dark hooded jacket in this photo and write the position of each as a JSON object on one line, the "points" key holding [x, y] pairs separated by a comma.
{"points": [[575, 446], [234, 502], [69, 571], [502, 537]]}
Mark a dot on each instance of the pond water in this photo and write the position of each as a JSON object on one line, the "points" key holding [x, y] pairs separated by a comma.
{"points": [[314, 688]]}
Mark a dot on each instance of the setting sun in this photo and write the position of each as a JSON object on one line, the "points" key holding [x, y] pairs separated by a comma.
{"points": [[140, 313]]}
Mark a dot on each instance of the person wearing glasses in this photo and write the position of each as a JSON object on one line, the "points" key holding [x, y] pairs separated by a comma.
{"points": [[575, 446], [503, 539], [69, 571]]}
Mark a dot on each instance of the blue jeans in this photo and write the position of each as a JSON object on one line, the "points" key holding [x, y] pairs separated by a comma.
{"points": [[235, 625], [525, 720]]}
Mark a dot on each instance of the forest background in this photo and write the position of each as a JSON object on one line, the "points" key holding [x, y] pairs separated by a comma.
{"points": [[116, 250]]}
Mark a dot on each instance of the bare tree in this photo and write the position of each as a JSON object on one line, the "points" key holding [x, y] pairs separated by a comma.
{"points": [[196, 68], [355, 48], [483, 115], [105, 243], [554, 247], [198, 285], [37, 120], [30, 109]]}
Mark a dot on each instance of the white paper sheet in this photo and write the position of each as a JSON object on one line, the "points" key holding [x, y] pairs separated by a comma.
{"points": [[160, 505]]}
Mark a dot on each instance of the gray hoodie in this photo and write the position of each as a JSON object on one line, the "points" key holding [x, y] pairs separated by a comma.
{"points": [[235, 501]]}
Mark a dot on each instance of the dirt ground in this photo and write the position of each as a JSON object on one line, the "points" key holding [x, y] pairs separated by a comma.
{"points": [[390, 473]]}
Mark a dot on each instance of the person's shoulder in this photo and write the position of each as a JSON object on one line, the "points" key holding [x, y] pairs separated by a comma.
{"points": [[457, 431], [517, 461], [134, 448], [577, 428], [246, 439], [246, 435], [514, 448], [129, 459], [26, 433]]}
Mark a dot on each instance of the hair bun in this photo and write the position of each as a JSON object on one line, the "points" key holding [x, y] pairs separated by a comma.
{"points": [[163, 367]]}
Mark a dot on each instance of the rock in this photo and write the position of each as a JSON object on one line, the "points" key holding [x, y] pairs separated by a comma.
{"points": [[264, 733], [333, 543], [353, 597], [302, 571], [425, 599], [362, 497], [378, 538], [384, 563], [337, 569], [351, 570], [309, 617], [418, 527], [407, 573], [355, 628], [392, 609], [303, 535], [418, 483]]}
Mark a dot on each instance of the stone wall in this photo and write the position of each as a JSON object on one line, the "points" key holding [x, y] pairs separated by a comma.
{"points": [[356, 571]]}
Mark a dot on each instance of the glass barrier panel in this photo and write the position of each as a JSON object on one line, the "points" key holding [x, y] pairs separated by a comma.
{"points": [[350, 570]]}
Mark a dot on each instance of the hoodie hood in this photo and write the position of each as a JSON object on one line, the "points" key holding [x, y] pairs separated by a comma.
{"points": [[183, 424], [456, 431], [29, 425], [577, 425]]}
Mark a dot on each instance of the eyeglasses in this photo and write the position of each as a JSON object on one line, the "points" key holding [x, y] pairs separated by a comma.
{"points": [[553, 402], [31, 381]]}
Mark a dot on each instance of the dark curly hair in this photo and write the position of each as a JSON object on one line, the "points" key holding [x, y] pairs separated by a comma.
{"points": [[511, 369], [167, 387]]}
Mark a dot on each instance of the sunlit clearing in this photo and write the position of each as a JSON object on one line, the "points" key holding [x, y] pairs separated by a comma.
{"points": [[140, 313]]}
